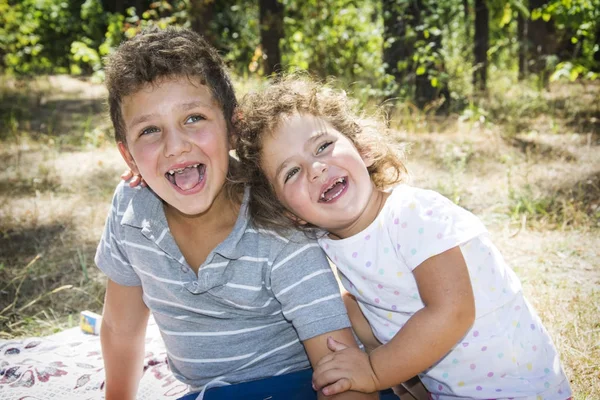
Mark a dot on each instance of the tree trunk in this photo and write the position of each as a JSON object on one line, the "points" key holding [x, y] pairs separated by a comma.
{"points": [[467, 19], [596, 66], [399, 16], [481, 45], [271, 33], [397, 50], [522, 25], [201, 15], [542, 39]]}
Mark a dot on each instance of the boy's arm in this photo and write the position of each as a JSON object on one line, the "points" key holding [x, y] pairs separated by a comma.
{"points": [[122, 336], [316, 348]]}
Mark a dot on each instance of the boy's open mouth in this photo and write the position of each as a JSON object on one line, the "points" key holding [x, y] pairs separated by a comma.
{"points": [[334, 190], [188, 177]]}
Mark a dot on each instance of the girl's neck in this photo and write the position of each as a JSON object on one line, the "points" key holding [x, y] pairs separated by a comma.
{"points": [[366, 218]]}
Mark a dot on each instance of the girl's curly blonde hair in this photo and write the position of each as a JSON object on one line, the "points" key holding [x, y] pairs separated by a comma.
{"points": [[260, 114]]}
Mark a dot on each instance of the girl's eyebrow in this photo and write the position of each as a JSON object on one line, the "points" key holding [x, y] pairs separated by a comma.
{"points": [[315, 137]]}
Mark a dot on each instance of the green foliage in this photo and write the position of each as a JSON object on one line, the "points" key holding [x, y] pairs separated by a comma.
{"points": [[340, 38], [236, 35], [336, 38], [36, 35], [577, 23]]}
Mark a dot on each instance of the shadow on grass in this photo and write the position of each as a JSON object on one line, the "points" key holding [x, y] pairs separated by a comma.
{"points": [[54, 118], [541, 150], [97, 185], [576, 204], [20, 245], [13, 187], [47, 274]]}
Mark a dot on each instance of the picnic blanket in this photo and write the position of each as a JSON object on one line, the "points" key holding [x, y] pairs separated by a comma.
{"points": [[68, 365]]}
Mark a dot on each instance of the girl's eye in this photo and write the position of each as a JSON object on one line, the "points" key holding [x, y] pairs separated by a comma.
{"points": [[290, 174], [323, 147], [149, 130], [194, 118]]}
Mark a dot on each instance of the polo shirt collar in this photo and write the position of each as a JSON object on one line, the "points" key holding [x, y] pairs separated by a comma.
{"points": [[230, 248], [145, 211]]}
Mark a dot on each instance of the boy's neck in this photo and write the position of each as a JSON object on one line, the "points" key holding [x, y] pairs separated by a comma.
{"points": [[198, 235], [221, 213]]}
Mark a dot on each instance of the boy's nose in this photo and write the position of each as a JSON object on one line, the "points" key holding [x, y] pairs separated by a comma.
{"points": [[318, 170], [176, 142]]}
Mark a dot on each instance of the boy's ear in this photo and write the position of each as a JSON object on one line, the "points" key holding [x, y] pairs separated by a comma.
{"points": [[294, 218], [233, 139], [127, 157]]}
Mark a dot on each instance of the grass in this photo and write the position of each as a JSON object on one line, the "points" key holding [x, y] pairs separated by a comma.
{"points": [[525, 161]]}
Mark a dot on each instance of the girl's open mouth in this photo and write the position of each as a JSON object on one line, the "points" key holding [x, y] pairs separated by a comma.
{"points": [[334, 190], [186, 178]]}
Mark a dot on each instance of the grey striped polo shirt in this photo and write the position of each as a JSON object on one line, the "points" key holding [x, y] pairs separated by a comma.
{"points": [[256, 297]]}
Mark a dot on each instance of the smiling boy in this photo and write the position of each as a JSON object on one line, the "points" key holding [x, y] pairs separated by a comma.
{"points": [[233, 303]]}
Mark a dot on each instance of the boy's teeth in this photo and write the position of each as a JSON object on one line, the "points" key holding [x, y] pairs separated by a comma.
{"points": [[180, 170]]}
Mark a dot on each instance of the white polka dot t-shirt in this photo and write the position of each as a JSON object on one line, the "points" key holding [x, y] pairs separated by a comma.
{"points": [[506, 354]]}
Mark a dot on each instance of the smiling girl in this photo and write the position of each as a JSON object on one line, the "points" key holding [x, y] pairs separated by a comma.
{"points": [[428, 292]]}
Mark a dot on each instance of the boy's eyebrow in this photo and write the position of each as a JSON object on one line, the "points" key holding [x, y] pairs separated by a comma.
{"points": [[192, 104], [140, 119], [307, 144], [183, 106]]}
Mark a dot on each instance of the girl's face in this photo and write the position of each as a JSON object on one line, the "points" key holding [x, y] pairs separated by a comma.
{"points": [[318, 175]]}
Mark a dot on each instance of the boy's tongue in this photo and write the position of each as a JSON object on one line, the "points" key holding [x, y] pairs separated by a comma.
{"points": [[188, 178]]}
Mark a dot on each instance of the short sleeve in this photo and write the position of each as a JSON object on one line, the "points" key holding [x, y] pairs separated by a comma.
{"points": [[425, 224], [111, 257], [304, 283]]}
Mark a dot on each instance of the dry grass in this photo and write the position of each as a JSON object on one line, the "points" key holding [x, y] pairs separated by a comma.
{"points": [[526, 163]]}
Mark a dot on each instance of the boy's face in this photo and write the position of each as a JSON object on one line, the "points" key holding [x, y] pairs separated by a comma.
{"points": [[317, 172], [177, 141]]}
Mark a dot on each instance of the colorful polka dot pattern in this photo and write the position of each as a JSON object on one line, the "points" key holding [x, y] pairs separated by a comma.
{"points": [[377, 266]]}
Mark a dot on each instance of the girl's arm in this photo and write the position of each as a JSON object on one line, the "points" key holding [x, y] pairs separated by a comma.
{"points": [[317, 348], [360, 325], [449, 312], [122, 334]]}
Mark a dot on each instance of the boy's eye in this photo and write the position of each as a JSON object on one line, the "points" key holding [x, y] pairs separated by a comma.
{"points": [[149, 130], [323, 147], [194, 118], [290, 174]]}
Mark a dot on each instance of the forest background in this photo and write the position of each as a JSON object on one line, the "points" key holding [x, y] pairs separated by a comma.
{"points": [[498, 99]]}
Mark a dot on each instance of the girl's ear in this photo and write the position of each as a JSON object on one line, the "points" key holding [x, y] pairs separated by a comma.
{"points": [[294, 218], [127, 157], [367, 157]]}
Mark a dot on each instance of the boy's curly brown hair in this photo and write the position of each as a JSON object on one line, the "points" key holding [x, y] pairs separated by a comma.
{"points": [[155, 54], [260, 114]]}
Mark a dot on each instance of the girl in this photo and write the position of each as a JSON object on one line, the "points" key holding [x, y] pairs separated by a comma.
{"points": [[424, 279]]}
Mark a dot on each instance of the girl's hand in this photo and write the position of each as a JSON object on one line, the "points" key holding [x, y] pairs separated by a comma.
{"points": [[345, 369], [136, 180]]}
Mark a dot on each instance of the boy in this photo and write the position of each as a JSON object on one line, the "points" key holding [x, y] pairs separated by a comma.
{"points": [[233, 304]]}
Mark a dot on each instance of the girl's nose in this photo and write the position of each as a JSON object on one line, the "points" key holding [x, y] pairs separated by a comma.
{"points": [[318, 170], [176, 142]]}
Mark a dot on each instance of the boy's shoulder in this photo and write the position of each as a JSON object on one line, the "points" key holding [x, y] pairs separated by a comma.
{"points": [[133, 205], [288, 238]]}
